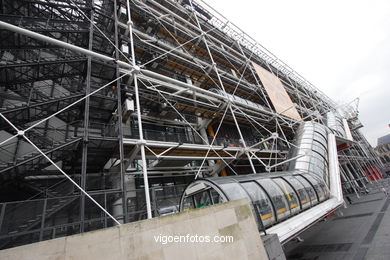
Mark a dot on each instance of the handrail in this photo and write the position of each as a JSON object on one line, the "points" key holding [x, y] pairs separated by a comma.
{"points": [[48, 188]]}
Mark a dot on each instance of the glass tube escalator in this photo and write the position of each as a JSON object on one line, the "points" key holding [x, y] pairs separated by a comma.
{"points": [[274, 198]]}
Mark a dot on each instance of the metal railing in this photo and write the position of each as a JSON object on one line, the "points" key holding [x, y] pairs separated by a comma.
{"points": [[29, 221]]}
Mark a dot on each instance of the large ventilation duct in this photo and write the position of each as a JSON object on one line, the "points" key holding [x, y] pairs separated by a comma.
{"points": [[285, 203], [339, 125], [240, 100], [312, 145], [335, 122]]}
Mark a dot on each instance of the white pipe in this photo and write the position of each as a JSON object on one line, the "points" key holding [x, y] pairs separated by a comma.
{"points": [[69, 46], [137, 97], [165, 80], [179, 158], [334, 170], [347, 130], [71, 180]]}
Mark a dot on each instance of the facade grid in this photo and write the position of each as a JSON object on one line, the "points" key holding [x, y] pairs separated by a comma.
{"points": [[109, 108]]}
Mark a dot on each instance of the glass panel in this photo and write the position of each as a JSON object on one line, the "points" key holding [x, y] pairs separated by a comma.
{"points": [[309, 189], [202, 199], [216, 198], [315, 182], [302, 193], [277, 197], [325, 189], [234, 191], [261, 202], [290, 194], [188, 203]]}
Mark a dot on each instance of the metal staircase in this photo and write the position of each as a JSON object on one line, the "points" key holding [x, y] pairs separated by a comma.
{"points": [[35, 160], [60, 195]]}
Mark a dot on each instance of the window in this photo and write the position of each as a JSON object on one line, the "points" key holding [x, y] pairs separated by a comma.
{"points": [[277, 197], [261, 202], [302, 193], [202, 199], [309, 189], [322, 194], [290, 195]]}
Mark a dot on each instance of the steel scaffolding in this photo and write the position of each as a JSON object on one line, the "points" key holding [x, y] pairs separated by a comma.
{"points": [[109, 108]]}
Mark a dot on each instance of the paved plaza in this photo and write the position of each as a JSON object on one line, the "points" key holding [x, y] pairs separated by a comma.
{"points": [[360, 231]]}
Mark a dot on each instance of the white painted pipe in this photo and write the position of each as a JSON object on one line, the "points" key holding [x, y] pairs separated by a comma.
{"points": [[137, 98], [65, 45]]}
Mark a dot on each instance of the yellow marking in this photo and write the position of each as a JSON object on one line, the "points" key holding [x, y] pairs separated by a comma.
{"points": [[266, 216], [210, 129], [281, 210], [293, 205], [303, 201], [285, 191]]}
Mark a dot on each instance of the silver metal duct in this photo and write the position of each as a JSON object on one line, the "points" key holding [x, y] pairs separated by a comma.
{"points": [[285, 202], [311, 142], [240, 100], [335, 122]]}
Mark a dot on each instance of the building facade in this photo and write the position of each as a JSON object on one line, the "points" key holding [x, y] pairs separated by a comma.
{"points": [[110, 108], [383, 151]]}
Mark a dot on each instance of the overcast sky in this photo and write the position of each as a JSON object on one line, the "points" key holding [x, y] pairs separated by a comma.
{"points": [[341, 47]]}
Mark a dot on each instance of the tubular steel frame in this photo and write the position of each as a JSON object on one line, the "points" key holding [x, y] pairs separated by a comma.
{"points": [[164, 54]]}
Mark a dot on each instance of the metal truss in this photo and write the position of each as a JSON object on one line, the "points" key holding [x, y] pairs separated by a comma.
{"points": [[113, 106]]}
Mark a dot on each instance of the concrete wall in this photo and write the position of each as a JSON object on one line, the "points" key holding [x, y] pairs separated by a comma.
{"points": [[273, 247], [136, 240]]}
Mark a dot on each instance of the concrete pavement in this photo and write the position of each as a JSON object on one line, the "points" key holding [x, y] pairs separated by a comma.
{"points": [[360, 231]]}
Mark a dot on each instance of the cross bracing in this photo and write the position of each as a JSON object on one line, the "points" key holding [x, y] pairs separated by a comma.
{"points": [[110, 107]]}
